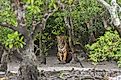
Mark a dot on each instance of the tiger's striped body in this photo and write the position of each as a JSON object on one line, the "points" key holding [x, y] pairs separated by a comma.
{"points": [[63, 52]]}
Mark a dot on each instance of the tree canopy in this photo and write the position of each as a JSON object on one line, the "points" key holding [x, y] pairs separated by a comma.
{"points": [[82, 22]]}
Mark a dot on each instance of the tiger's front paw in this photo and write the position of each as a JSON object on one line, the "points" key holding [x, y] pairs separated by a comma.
{"points": [[73, 61], [62, 62]]}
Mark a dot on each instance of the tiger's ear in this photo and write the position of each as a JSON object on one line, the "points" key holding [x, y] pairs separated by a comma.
{"points": [[63, 37], [57, 37]]}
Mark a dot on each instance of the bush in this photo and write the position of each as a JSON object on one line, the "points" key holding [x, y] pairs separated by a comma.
{"points": [[106, 47], [14, 40]]}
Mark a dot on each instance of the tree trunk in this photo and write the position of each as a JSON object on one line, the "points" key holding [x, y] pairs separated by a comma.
{"points": [[118, 29], [39, 49], [28, 72], [71, 42], [28, 68], [114, 9], [42, 54], [4, 59], [104, 23], [91, 36], [1, 51]]}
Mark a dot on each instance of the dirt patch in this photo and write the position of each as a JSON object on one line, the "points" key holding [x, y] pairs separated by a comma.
{"points": [[78, 75], [73, 74], [70, 71]]}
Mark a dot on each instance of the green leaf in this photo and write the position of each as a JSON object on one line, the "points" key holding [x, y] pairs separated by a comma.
{"points": [[10, 46], [16, 33], [70, 2], [32, 2], [55, 6], [107, 46], [9, 36], [21, 45]]}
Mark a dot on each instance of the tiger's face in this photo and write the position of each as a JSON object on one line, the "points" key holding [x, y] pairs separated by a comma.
{"points": [[61, 41]]}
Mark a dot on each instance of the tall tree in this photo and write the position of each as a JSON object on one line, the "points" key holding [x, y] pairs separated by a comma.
{"points": [[20, 9], [114, 9]]}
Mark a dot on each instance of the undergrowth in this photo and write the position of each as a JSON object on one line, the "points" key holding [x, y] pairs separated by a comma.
{"points": [[107, 47]]}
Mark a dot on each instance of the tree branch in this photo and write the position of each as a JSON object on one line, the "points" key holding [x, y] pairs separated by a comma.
{"points": [[119, 8], [46, 16], [113, 9], [14, 28], [104, 3], [9, 26], [19, 10], [39, 26]]}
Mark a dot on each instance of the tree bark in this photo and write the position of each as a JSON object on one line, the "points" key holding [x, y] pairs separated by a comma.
{"points": [[113, 9], [28, 68], [104, 23], [4, 61], [1, 52], [91, 35], [42, 57]]}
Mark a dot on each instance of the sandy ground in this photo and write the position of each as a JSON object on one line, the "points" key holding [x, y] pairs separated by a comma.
{"points": [[70, 71], [52, 61]]}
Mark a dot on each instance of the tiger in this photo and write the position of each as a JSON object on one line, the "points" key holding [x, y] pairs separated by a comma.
{"points": [[63, 54]]}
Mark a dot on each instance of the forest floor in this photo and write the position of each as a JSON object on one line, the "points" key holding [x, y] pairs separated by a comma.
{"points": [[71, 71]]}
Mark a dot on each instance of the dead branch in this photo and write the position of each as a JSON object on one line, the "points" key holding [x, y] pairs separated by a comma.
{"points": [[40, 26], [9, 26], [104, 3]]}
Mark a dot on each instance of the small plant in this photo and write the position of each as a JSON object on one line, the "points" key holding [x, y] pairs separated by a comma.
{"points": [[14, 40], [106, 47]]}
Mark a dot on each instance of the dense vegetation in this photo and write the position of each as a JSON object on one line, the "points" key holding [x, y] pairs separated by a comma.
{"points": [[107, 47], [83, 22]]}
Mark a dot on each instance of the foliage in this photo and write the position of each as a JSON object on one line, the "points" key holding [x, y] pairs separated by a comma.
{"points": [[14, 40], [106, 47], [84, 11], [56, 25], [4, 32], [8, 37], [80, 11], [11, 39], [6, 13]]}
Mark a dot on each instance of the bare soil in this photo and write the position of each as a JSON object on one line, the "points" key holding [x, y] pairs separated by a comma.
{"points": [[53, 70]]}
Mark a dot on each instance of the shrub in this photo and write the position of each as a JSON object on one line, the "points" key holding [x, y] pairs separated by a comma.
{"points": [[14, 40], [106, 47]]}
